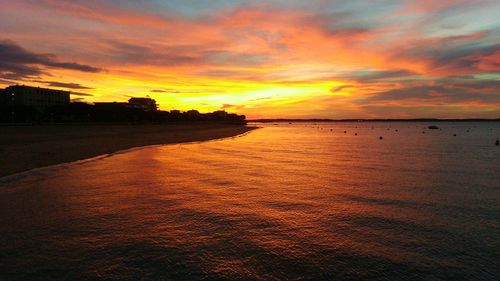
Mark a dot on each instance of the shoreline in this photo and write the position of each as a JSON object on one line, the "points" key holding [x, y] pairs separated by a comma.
{"points": [[24, 148]]}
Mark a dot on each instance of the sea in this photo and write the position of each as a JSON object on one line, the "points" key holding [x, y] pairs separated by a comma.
{"points": [[287, 201]]}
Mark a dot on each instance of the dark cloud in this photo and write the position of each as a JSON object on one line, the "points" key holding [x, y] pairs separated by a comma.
{"points": [[234, 58], [469, 82], [175, 55], [226, 73], [343, 24], [81, 94], [180, 55], [19, 63], [437, 92], [173, 91], [8, 82], [462, 59], [78, 100], [454, 54], [349, 31], [372, 76], [227, 106], [340, 88], [12, 71], [65, 85], [73, 66]]}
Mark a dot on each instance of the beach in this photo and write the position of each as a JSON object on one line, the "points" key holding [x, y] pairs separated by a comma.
{"points": [[27, 147]]}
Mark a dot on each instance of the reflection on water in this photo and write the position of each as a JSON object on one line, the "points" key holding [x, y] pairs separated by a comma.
{"points": [[288, 201]]}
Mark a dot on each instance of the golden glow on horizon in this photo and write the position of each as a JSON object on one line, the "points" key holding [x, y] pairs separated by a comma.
{"points": [[204, 94]]}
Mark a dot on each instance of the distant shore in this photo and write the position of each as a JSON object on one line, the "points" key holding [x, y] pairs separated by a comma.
{"points": [[24, 148], [374, 120]]}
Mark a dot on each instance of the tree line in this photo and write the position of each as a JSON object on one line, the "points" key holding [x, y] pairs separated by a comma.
{"points": [[78, 112]]}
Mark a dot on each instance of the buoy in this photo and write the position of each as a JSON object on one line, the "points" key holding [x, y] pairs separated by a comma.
{"points": [[497, 143], [345, 132], [355, 134], [423, 132], [380, 138], [454, 135]]}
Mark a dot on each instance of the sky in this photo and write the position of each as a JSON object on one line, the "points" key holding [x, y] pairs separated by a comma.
{"points": [[264, 59]]}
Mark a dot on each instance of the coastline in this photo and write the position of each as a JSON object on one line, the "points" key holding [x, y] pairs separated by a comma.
{"points": [[24, 148]]}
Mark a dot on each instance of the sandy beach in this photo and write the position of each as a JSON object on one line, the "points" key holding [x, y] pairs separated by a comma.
{"points": [[27, 147]]}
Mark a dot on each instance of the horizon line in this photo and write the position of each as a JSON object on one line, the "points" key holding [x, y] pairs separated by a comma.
{"points": [[265, 120]]}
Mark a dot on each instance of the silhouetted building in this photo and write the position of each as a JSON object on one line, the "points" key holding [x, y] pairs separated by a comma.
{"points": [[36, 97], [193, 113], [3, 99], [220, 113], [146, 104]]}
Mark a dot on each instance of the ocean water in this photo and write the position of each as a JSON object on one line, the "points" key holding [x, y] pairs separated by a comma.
{"points": [[284, 202]]}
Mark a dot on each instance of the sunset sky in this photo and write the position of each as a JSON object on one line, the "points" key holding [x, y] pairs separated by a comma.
{"points": [[277, 58]]}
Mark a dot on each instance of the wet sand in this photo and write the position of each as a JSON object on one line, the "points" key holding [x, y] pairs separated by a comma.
{"points": [[27, 147]]}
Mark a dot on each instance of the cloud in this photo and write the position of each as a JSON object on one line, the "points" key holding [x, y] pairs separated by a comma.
{"points": [[263, 98], [174, 91], [77, 100], [232, 106], [464, 60], [225, 73], [454, 54], [372, 76], [441, 92], [72, 66], [173, 54], [7, 82], [427, 6], [65, 85], [340, 88], [106, 12], [129, 53], [19, 63], [81, 94], [429, 111]]}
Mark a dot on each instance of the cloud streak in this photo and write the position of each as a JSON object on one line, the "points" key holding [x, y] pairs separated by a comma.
{"points": [[66, 85], [19, 63]]}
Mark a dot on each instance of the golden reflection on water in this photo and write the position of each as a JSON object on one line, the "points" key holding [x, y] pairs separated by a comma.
{"points": [[287, 201]]}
